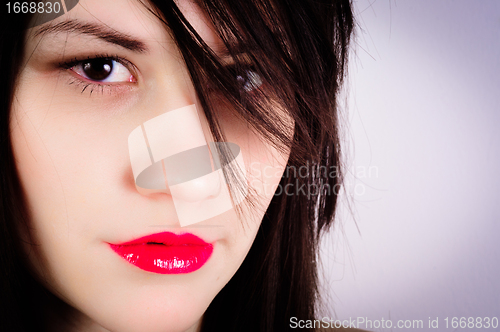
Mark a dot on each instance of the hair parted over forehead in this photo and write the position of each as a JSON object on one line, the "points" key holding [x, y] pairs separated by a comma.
{"points": [[299, 49]]}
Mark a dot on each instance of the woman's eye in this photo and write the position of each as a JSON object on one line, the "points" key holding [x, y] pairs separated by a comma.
{"points": [[249, 80], [103, 70]]}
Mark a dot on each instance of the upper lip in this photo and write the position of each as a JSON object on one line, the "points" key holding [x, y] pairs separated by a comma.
{"points": [[168, 239]]}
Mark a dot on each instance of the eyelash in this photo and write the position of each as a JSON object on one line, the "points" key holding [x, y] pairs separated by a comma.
{"points": [[110, 88], [90, 86]]}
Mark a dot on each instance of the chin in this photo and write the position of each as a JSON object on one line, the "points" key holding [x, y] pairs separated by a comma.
{"points": [[152, 312]]}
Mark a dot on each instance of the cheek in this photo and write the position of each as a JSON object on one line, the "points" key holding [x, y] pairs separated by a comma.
{"points": [[264, 167], [264, 164], [68, 166], [62, 163]]}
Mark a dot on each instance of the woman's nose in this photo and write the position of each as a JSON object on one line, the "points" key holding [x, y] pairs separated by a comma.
{"points": [[169, 154]]}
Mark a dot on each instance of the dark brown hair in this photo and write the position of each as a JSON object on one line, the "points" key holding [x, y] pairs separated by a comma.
{"points": [[299, 49]]}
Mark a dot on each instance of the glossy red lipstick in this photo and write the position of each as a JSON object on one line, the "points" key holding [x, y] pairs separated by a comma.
{"points": [[166, 253]]}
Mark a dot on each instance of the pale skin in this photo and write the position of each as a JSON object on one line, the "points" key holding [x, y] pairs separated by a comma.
{"points": [[72, 157]]}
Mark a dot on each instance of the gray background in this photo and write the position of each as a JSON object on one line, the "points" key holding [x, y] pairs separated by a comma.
{"points": [[418, 235]]}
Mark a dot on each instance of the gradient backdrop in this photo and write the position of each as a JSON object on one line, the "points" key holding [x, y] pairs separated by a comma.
{"points": [[423, 144]]}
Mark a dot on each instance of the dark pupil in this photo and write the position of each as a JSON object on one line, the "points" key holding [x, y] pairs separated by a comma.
{"points": [[98, 69]]}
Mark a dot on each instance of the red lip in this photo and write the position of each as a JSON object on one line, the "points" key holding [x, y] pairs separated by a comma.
{"points": [[166, 253]]}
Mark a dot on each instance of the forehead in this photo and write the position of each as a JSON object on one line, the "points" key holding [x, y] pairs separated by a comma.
{"points": [[134, 18]]}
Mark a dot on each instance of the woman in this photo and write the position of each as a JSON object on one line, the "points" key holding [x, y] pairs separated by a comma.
{"points": [[88, 243]]}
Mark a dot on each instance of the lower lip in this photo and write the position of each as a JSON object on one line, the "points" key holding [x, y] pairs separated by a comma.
{"points": [[177, 254]]}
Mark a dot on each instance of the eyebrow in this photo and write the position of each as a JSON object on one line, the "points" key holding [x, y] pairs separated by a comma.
{"points": [[97, 30]]}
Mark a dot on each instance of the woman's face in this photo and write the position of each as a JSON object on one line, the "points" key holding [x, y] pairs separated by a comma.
{"points": [[70, 138]]}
